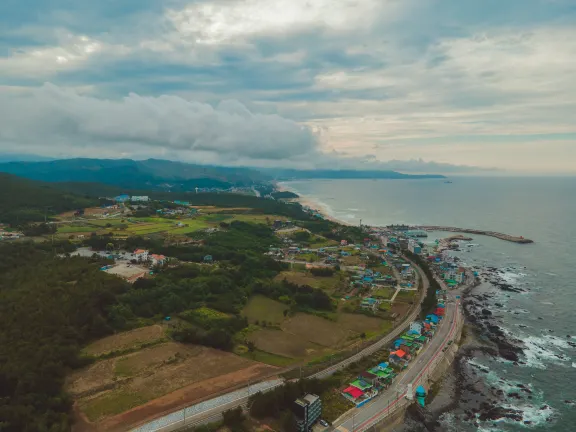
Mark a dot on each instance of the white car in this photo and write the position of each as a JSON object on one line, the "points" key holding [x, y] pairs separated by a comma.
{"points": [[324, 423]]}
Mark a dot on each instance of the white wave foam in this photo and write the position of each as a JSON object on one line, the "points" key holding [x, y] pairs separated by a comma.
{"points": [[534, 414], [538, 350], [547, 303], [551, 274]]}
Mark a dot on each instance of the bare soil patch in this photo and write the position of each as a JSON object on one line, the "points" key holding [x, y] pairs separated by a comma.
{"points": [[400, 308], [125, 340]]}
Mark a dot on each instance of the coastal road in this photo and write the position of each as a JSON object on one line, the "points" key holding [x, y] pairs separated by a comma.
{"points": [[360, 419]]}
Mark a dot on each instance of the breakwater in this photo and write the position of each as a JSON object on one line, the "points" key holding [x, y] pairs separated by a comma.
{"points": [[501, 236]]}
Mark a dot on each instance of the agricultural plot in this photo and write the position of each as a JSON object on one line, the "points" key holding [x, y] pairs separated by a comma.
{"points": [[329, 284], [304, 335], [126, 340], [65, 229], [260, 308], [112, 386]]}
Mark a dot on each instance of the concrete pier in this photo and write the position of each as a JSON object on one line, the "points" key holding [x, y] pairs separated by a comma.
{"points": [[506, 237]]}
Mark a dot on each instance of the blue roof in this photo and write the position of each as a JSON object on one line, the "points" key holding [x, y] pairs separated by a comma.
{"points": [[383, 365], [398, 341], [433, 318], [420, 389]]}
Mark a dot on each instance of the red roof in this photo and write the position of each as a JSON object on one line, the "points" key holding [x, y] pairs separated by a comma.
{"points": [[354, 392], [400, 353]]}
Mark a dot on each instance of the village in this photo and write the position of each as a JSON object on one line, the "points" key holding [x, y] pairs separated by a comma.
{"points": [[371, 285]]}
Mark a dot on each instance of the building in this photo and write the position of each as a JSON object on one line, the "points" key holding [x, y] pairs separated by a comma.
{"points": [[414, 247], [307, 411], [122, 198], [157, 259], [141, 254], [142, 198]]}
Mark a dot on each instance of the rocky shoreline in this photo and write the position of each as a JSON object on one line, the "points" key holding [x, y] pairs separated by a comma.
{"points": [[465, 392]]}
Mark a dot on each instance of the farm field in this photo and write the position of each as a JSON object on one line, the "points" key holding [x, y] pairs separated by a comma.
{"points": [[260, 308], [125, 340], [330, 283], [305, 335], [113, 386]]}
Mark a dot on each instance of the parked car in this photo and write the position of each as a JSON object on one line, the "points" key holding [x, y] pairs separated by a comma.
{"points": [[324, 423]]}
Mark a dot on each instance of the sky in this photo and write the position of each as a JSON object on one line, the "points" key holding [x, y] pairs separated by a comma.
{"points": [[415, 85]]}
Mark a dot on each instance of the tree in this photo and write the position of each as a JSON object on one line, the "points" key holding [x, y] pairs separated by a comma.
{"points": [[251, 346]]}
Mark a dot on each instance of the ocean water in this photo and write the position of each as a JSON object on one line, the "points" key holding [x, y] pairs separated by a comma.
{"points": [[542, 315]]}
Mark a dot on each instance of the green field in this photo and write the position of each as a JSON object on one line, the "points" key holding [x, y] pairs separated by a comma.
{"points": [[76, 228], [269, 358], [260, 308], [112, 403]]}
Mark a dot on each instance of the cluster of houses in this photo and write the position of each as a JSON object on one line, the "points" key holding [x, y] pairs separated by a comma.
{"points": [[401, 237], [369, 383], [10, 235]]}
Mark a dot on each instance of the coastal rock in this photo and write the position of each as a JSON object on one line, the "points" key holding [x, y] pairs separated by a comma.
{"points": [[486, 312]]}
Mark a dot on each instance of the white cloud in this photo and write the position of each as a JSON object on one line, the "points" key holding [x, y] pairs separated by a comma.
{"points": [[64, 119], [215, 22], [72, 51]]}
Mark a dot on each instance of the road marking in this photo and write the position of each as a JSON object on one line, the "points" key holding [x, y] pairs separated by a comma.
{"points": [[342, 429]]}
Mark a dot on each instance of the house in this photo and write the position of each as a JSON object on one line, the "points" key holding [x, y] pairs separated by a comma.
{"points": [[368, 377], [141, 254], [343, 243], [352, 393], [157, 259], [142, 198], [414, 247], [208, 259]]}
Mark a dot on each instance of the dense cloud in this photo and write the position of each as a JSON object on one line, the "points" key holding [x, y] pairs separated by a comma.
{"points": [[474, 82], [58, 117]]}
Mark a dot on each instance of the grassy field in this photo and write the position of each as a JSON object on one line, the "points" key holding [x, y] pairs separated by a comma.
{"points": [[112, 403], [76, 228], [125, 340], [330, 284], [269, 358], [260, 308]]}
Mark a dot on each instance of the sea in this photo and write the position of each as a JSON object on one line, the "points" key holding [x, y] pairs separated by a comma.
{"points": [[540, 311]]}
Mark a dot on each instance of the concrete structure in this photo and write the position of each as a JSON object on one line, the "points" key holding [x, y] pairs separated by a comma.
{"points": [[307, 411], [142, 198], [414, 247], [122, 198]]}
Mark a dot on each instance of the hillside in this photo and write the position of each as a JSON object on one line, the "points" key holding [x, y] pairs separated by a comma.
{"points": [[23, 200], [126, 173], [293, 174]]}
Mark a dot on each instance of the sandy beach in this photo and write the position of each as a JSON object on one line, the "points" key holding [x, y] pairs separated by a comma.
{"points": [[307, 201]]}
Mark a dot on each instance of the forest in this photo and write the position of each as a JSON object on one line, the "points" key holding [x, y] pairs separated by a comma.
{"points": [[52, 305], [23, 201]]}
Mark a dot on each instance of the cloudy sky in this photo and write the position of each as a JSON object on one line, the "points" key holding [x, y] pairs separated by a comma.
{"points": [[349, 83]]}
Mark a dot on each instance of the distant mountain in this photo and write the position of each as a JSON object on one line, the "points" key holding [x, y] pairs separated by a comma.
{"points": [[152, 174], [23, 200], [292, 174]]}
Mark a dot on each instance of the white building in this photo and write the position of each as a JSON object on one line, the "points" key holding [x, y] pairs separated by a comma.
{"points": [[143, 198]]}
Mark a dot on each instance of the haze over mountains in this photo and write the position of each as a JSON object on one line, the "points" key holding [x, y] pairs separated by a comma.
{"points": [[158, 174]]}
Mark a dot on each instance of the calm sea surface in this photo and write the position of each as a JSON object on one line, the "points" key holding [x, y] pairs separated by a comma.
{"points": [[543, 316]]}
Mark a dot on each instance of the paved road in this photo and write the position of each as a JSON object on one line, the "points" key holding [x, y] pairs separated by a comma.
{"points": [[361, 419]]}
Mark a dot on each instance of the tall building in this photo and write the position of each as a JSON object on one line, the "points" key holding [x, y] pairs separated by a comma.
{"points": [[307, 411]]}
